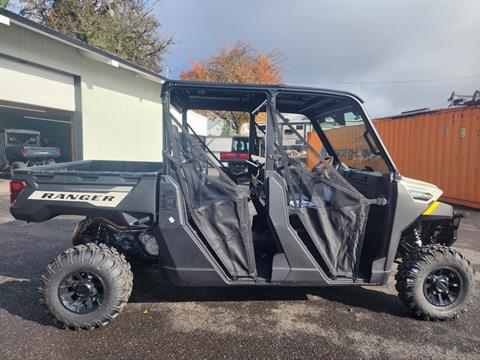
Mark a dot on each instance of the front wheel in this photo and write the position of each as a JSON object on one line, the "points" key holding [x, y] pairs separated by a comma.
{"points": [[86, 286], [435, 282]]}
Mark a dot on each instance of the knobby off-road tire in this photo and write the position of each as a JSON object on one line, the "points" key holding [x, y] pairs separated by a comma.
{"points": [[417, 277], [101, 268]]}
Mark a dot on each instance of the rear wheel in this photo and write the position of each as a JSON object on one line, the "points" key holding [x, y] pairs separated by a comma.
{"points": [[435, 282], [86, 286]]}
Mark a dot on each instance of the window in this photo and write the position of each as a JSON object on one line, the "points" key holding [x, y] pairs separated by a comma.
{"points": [[346, 133], [19, 138], [240, 144], [352, 141]]}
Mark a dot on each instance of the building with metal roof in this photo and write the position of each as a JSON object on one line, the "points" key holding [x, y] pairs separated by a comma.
{"points": [[90, 103]]}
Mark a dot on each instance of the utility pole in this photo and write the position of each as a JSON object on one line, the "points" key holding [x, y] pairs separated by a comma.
{"points": [[167, 71]]}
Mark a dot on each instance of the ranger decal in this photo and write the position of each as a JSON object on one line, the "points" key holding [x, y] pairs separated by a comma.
{"points": [[107, 199]]}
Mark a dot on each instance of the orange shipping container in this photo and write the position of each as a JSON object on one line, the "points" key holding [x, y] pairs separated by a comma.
{"points": [[441, 147]]}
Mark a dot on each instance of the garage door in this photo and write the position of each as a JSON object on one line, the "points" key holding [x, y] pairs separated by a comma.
{"points": [[28, 84]]}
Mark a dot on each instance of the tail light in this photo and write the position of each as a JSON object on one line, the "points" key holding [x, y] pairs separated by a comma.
{"points": [[233, 156], [59, 152], [16, 187], [24, 150]]}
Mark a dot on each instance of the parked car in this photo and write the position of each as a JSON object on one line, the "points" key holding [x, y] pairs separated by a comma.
{"points": [[22, 148], [236, 159], [327, 225]]}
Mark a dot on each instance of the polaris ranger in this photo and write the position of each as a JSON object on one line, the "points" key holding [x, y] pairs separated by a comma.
{"points": [[340, 221], [22, 148]]}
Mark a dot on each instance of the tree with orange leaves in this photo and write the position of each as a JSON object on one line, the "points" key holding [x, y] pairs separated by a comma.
{"points": [[237, 63]]}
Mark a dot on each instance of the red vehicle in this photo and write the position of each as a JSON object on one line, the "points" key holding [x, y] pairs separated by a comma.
{"points": [[237, 158]]}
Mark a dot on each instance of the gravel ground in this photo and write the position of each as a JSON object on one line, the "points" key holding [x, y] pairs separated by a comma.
{"points": [[165, 322]]}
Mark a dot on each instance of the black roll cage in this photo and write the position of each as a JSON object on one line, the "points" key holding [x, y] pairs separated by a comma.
{"points": [[6, 132], [193, 95]]}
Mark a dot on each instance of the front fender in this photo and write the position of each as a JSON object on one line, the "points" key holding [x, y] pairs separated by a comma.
{"points": [[442, 222], [437, 211]]}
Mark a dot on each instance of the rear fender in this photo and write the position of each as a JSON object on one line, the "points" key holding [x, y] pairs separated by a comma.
{"points": [[126, 201]]}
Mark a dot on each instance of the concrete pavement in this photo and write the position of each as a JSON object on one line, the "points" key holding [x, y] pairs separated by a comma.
{"points": [[162, 322]]}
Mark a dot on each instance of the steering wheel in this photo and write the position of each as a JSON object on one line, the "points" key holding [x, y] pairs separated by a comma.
{"points": [[257, 162], [323, 166], [257, 165]]}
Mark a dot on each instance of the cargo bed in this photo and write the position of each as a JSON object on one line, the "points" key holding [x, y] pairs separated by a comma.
{"points": [[124, 192]]}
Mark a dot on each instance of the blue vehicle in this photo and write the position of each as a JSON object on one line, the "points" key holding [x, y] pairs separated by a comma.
{"points": [[22, 148]]}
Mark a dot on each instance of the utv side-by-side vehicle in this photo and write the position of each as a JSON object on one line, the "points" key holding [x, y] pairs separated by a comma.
{"points": [[20, 148], [340, 218]]}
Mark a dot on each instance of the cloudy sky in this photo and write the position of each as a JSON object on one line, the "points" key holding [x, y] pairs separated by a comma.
{"points": [[397, 55]]}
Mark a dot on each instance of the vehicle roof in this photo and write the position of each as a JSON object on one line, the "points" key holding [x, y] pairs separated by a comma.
{"points": [[196, 95], [23, 131]]}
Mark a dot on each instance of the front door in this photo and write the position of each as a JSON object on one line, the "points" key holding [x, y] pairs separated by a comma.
{"points": [[334, 179]]}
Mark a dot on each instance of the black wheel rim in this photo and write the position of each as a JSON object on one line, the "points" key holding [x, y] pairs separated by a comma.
{"points": [[81, 292], [442, 287]]}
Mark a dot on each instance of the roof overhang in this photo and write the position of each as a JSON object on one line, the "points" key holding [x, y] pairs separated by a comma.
{"points": [[93, 53]]}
